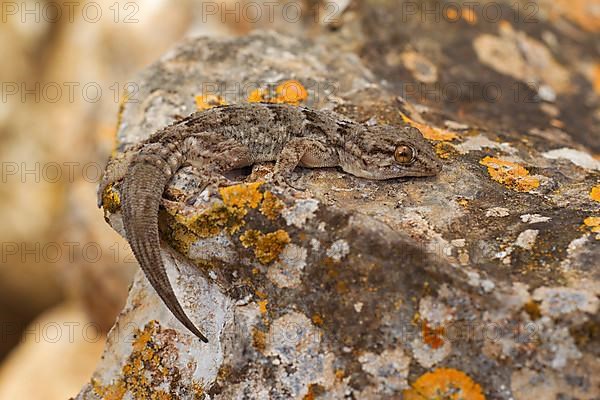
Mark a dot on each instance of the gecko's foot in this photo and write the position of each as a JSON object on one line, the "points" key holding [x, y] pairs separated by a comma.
{"points": [[223, 181], [282, 181], [212, 184], [260, 172]]}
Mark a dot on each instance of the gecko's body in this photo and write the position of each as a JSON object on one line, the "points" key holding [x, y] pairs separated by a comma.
{"points": [[230, 137]]}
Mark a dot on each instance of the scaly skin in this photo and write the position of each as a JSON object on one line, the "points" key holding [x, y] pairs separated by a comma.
{"points": [[230, 137]]}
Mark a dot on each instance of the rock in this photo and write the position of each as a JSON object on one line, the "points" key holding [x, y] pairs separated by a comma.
{"points": [[484, 274]]}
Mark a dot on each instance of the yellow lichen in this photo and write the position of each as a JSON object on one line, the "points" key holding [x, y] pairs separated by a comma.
{"points": [[206, 101], [111, 201], [180, 236], [259, 339], [262, 306], [230, 215], [445, 150], [430, 132], [267, 247], [595, 193], [242, 196], [510, 174], [115, 391], [593, 223], [271, 206], [214, 220], [148, 371], [463, 202], [444, 383]]}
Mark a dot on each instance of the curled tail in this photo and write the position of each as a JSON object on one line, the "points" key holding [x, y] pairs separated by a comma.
{"points": [[143, 186]]}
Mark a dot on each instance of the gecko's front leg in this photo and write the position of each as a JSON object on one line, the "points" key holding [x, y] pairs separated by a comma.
{"points": [[304, 152], [210, 167]]}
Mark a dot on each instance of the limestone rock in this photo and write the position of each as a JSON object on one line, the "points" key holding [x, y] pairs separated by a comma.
{"points": [[486, 274]]}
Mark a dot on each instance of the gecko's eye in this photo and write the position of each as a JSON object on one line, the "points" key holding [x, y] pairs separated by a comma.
{"points": [[404, 154]]}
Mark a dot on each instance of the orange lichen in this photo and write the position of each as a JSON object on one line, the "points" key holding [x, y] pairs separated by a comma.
{"points": [[271, 206], [593, 223], [291, 92], [317, 319], [533, 310], [468, 14], [259, 339], [596, 78], [452, 14], [510, 174], [310, 395], [430, 132], [433, 337], [342, 287], [505, 26], [557, 123], [206, 101], [267, 247], [257, 96], [595, 193], [444, 383], [262, 306], [580, 12], [242, 196]]}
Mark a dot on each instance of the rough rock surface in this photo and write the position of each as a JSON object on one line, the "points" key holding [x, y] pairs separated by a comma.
{"points": [[483, 281]]}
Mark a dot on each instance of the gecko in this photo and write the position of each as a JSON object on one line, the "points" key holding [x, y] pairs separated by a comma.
{"points": [[230, 137]]}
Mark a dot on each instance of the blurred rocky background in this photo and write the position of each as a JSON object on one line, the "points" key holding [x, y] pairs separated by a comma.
{"points": [[67, 69]]}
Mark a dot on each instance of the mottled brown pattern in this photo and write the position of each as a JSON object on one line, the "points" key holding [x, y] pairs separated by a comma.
{"points": [[229, 137]]}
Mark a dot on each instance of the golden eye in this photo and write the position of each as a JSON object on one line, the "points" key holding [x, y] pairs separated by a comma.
{"points": [[404, 154]]}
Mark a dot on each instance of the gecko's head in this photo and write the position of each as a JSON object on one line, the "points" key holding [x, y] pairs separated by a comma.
{"points": [[386, 152]]}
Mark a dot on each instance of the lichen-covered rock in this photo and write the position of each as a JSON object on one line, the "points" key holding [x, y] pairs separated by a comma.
{"points": [[482, 281]]}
